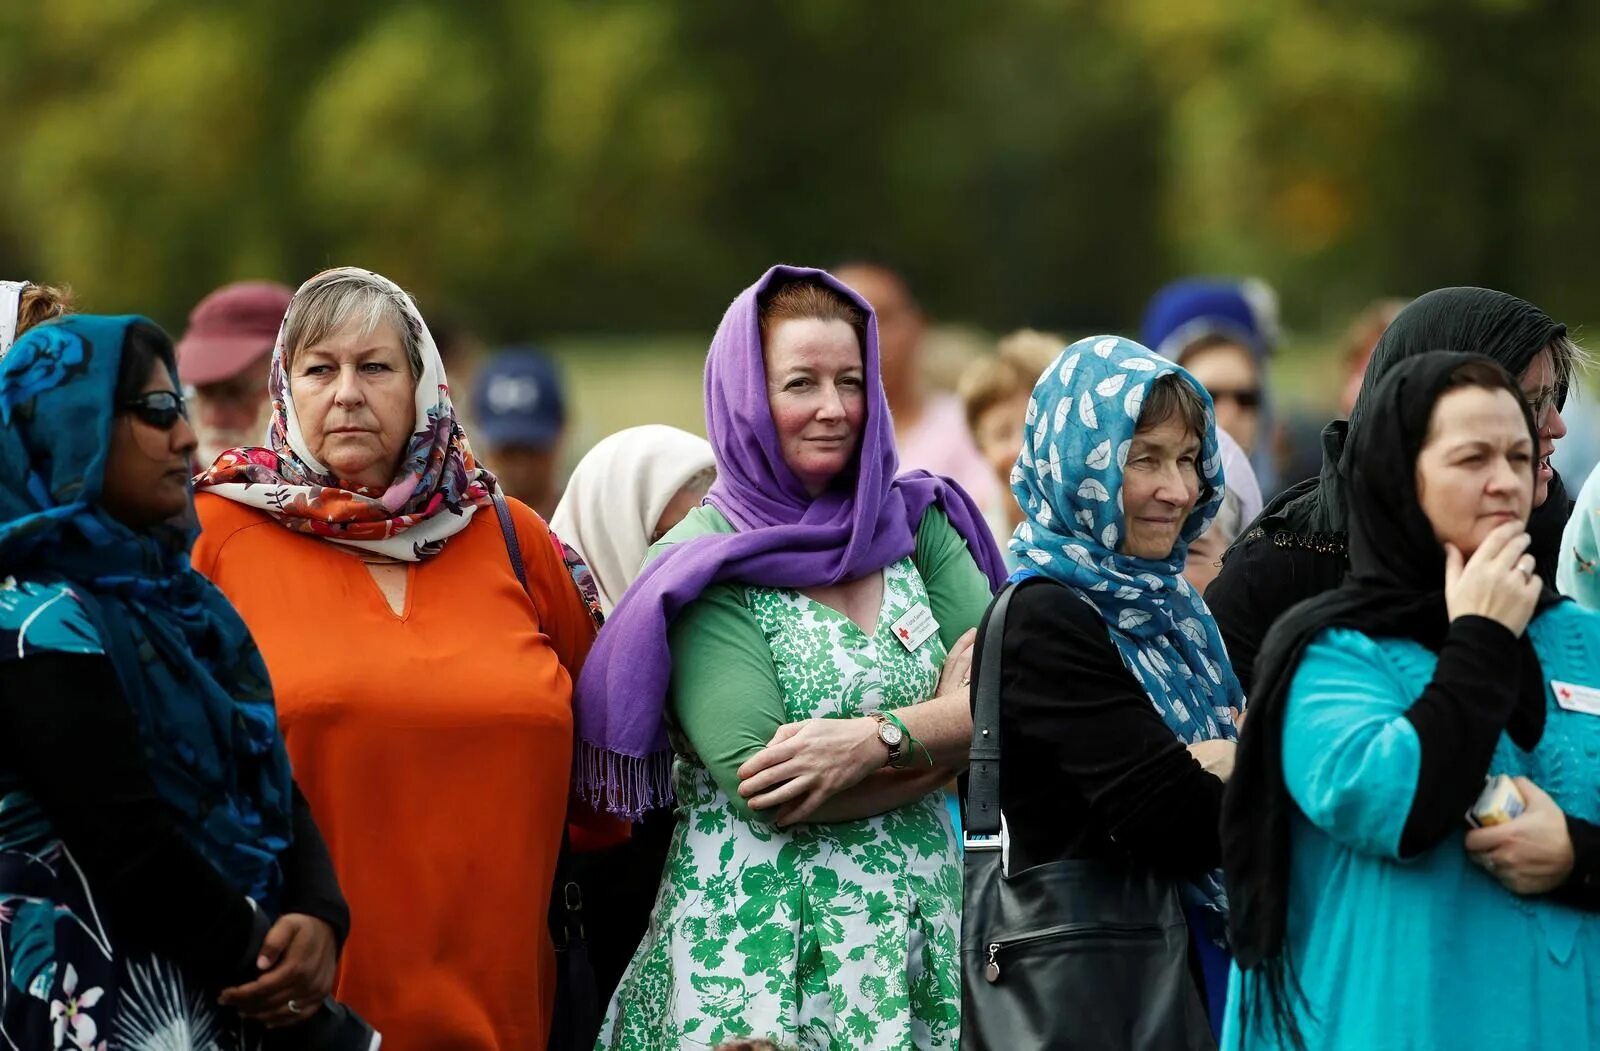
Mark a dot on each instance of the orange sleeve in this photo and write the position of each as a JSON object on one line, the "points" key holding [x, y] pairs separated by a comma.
{"points": [[563, 615]]}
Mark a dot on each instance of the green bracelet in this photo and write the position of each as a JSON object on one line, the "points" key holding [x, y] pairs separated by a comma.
{"points": [[912, 743]]}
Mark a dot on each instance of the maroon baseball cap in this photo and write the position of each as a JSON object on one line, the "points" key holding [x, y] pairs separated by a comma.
{"points": [[231, 329]]}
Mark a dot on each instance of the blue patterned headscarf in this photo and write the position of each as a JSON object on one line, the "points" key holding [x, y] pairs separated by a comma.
{"points": [[75, 580], [1068, 481]]}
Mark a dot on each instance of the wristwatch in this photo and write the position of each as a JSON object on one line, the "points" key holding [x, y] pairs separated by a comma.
{"points": [[893, 738]]}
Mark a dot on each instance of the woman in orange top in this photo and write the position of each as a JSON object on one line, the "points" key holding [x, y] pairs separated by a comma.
{"points": [[424, 695]]}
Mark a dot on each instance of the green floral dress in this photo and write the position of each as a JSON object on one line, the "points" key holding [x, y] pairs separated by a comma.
{"points": [[820, 936]]}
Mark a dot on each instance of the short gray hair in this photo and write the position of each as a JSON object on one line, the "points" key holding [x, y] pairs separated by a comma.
{"points": [[333, 301]]}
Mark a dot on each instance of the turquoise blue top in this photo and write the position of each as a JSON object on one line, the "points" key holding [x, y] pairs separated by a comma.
{"points": [[1428, 953]]}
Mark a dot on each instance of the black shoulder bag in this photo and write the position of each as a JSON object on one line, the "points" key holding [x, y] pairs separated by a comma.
{"points": [[1082, 955], [576, 1022]]}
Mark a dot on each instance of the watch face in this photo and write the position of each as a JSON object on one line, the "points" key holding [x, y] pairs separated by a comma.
{"points": [[889, 734]]}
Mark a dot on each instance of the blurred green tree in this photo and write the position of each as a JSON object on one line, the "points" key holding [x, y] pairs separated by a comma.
{"points": [[628, 166]]}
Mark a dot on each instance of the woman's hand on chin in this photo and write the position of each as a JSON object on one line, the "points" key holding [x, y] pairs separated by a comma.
{"points": [[1531, 853], [1497, 582], [807, 763]]}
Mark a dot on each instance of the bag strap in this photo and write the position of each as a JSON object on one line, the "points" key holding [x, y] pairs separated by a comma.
{"points": [[566, 897], [508, 529], [983, 758]]}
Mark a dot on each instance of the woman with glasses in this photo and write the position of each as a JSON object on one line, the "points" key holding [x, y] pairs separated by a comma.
{"points": [[162, 882], [1298, 546], [1364, 912], [1222, 333]]}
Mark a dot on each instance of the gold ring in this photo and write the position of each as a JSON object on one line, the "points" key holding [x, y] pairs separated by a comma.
{"points": [[967, 678]]}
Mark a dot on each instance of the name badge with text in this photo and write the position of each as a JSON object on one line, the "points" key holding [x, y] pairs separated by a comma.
{"points": [[915, 627], [1575, 698]]}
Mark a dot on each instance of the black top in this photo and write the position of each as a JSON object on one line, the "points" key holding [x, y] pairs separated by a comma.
{"points": [[1088, 769], [1261, 577], [1473, 696], [155, 890], [1269, 570]]}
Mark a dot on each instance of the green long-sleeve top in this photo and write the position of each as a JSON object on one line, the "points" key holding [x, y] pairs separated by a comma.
{"points": [[726, 702]]}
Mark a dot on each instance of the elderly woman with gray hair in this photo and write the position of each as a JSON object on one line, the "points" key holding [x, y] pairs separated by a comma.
{"points": [[422, 633]]}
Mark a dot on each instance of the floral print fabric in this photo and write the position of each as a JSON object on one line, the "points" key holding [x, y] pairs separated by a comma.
{"points": [[433, 496], [841, 935], [63, 984]]}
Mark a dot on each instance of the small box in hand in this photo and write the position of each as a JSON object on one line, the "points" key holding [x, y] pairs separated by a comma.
{"points": [[1499, 803]]}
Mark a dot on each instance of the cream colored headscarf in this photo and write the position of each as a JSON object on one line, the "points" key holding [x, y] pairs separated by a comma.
{"points": [[616, 496]]}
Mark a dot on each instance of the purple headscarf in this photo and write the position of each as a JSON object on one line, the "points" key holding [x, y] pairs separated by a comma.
{"points": [[785, 539]]}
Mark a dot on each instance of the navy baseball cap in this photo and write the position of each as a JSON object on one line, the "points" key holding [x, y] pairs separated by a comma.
{"points": [[517, 400]]}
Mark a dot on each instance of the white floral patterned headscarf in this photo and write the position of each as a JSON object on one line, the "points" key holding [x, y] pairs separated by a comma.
{"points": [[434, 493]]}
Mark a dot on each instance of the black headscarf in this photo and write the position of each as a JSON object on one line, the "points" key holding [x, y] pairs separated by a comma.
{"points": [[1497, 325], [1395, 589]]}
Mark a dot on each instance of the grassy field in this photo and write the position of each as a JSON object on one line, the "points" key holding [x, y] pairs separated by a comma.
{"points": [[617, 383]]}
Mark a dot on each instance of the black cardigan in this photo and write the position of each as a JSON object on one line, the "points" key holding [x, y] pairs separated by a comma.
{"points": [[1088, 768], [67, 732]]}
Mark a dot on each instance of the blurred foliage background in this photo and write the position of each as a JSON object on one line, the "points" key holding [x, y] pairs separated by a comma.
{"points": [[625, 167]]}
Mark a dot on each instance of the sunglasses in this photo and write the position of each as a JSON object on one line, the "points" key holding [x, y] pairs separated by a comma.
{"points": [[1245, 398], [158, 408]]}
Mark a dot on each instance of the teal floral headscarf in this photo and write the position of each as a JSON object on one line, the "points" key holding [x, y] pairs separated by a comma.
{"points": [[75, 580], [1068, 481]]}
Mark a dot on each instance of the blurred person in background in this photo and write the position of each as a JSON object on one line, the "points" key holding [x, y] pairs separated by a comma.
{"points": [[626, 494], [24, 305], [994, 392], [423, 689], [1360, 340], [155, 851], [224, 356], [462, 351], [1299, 546], [1299, 450], [799, 647], [1223, 332], [519, 411], [1300, 458], [928, 427], [1241, 502]]}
